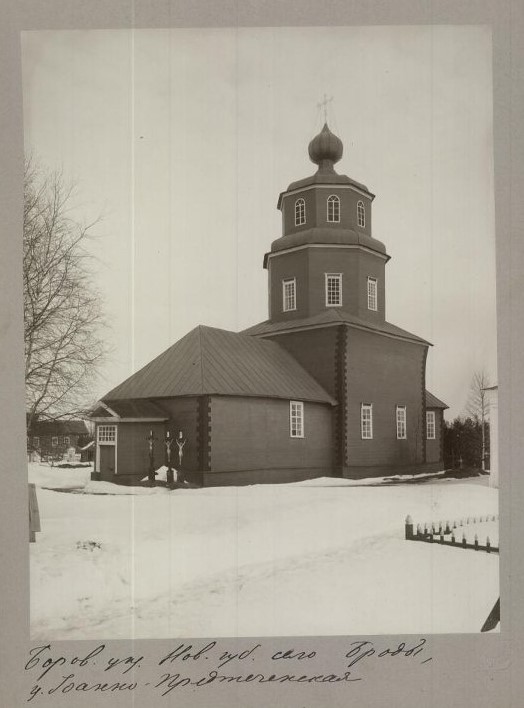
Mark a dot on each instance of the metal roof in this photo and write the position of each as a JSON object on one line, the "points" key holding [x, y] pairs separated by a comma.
{"points": [[134, 409], [434, 402], [330, 316], [214, 361]]}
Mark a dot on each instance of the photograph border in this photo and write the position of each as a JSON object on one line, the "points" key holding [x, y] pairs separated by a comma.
{"points": [[466, 670]]}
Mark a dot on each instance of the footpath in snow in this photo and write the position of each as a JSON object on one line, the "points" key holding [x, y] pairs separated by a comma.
{"points": [[315, 558]]}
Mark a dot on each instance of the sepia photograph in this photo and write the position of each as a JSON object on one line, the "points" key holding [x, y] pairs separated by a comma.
{"points": [[260, 332]]}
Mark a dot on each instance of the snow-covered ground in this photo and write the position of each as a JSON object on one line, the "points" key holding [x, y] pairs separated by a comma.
{"points": [[317, 558]]}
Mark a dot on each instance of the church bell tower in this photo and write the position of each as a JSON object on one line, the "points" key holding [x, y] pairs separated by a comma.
{"points": [[326, 257]]}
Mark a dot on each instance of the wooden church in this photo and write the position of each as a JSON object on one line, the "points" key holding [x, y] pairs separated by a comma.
{"points": [[324, 387]]}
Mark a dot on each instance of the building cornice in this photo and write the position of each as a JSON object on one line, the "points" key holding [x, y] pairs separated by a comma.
{"points": [[272, 254], [305, 328]]}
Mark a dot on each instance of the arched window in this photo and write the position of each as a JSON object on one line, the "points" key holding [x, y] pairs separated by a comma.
{"points": [[300, 212], [361, 214], [333, 209]]}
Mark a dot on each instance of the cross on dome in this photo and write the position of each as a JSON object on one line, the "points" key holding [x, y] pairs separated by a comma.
{"points": [[324, 104]]}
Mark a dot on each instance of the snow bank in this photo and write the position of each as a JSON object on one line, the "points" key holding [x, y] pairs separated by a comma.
{"points": [[254, 561]]}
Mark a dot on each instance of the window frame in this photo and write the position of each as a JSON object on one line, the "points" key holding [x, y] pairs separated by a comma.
{"points": [[296, 419], [300, 211], [67, 440], [430, 415], [54, 441], [401, 422], [105, 438], [366, 422], [333, 209], [287, 282], [361, 214], [338, 278], [372, 293]]}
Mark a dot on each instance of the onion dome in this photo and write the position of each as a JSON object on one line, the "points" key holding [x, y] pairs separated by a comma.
{"points": [[325, 149]]}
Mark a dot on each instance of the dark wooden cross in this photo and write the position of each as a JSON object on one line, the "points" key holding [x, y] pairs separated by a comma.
{"points": [[151, 440], [169, 474]]}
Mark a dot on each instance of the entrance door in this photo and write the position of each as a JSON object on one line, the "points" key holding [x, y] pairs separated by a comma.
{"points": [[107, 462]]}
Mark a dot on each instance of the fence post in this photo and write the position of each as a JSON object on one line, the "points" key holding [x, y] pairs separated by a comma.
{"points": [[488, 545], [452, 538], [409, 527], [476, 542], [463, 540]]}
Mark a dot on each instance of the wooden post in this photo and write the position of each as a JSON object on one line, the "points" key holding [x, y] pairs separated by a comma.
{"points": [[409, 528], [463, 540], [448, 530], [488, 545], [34, 514], [476, 542], [452, 538]]}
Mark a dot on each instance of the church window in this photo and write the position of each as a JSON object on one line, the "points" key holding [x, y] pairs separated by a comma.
{"points": [[333, 209], [333, 289], [289, 295], [361, 214], [296, 419], [107, 434], [366, 421], [401, 423], [300, 212], [372, 294], [430, 425]]}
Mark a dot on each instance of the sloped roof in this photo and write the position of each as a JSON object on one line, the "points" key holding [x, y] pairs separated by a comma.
{"points": [[214, 361], [130, 409], [330, 316], [324, 234], [434, 402]]}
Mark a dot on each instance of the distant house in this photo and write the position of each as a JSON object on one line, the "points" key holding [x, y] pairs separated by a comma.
{"points": [[326, 386], [53, 438]]}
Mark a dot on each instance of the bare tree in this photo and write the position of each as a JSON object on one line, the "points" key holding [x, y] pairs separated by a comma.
{"points": [[477, 405], [62, 314]]}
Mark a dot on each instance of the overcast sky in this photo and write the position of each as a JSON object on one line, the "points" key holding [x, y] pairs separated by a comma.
{"points": [[182, 139]]}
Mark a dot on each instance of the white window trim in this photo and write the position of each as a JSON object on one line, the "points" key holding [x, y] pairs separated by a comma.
{"points": [[333, 199], [366, 435], [401, 421], [297, 406], [327, 276], [431, 425], [111, 443], [372, 293], [67, 440], [300, 211], [54, 441], [361, 214], [285, 282]]}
